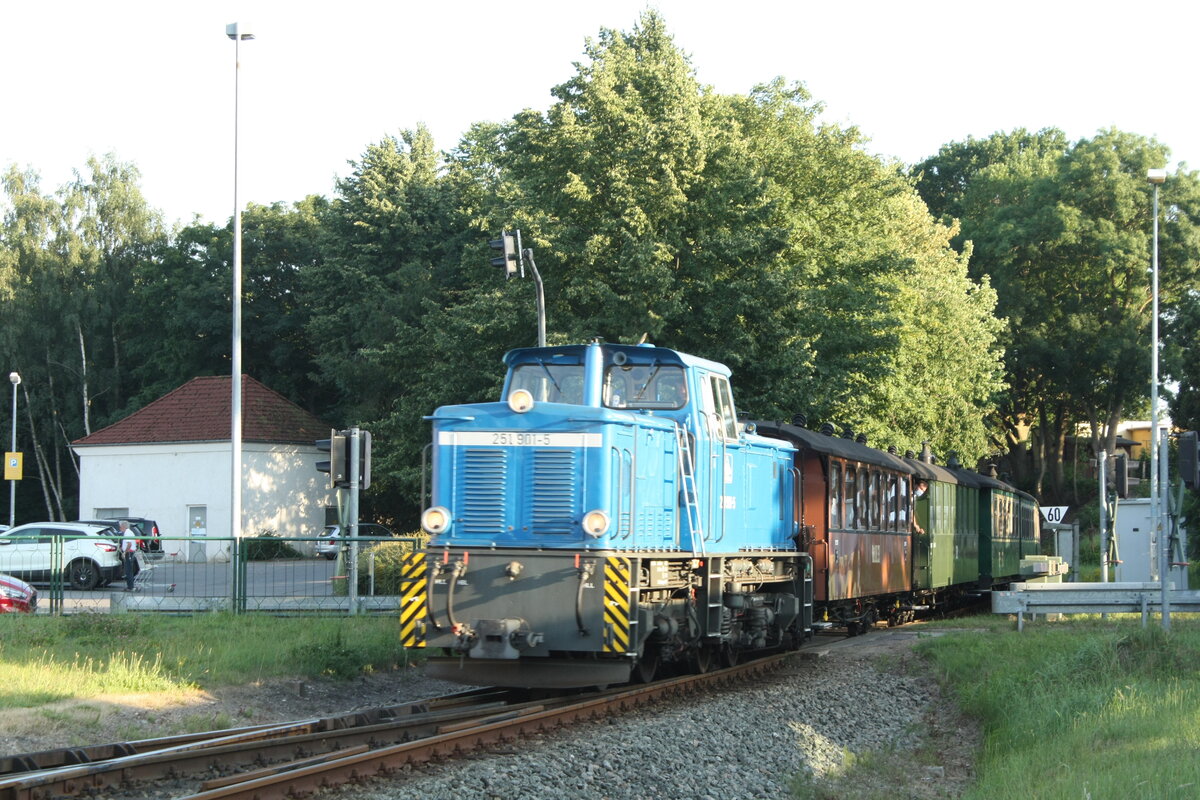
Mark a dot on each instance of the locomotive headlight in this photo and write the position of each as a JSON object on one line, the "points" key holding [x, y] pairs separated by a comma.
{"points": [[435, 520], [520, 401], [595, 523]]}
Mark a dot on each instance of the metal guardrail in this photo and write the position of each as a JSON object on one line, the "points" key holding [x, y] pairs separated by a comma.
{"points": [[1090, 598]]}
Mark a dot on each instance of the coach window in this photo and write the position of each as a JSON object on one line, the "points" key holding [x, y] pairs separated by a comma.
{"points": [[876, 500], [864, 484], [889, 504], [849, 520], [835, 496]]}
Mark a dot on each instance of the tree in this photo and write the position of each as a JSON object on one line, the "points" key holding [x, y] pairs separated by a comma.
{"points": [[1064, 237], [739, 229], [390, 246], [68, 266]]}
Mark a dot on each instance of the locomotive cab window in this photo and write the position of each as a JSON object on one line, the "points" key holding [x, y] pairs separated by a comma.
{"points": [[647, 386], [549, 383]]}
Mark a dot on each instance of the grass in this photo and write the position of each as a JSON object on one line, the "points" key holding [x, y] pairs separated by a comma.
{"points": [[44, 659], [1082, 708]]}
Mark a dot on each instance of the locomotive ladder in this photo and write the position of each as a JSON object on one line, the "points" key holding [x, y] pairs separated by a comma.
{"points": [[687, 478]]}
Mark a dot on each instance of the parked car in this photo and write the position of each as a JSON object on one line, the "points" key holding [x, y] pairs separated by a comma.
{"points": [[146, 531], [332, 541], [90, 556], [16, 595]]}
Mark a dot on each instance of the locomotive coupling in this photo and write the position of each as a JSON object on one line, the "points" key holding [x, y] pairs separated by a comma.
{"points": [[503, 639]]}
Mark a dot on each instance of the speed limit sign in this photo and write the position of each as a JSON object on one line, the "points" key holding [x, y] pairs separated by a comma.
{"points": [[1054, 513]]}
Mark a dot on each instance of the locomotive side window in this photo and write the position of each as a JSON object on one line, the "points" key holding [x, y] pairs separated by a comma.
{"points": [[723, 406], [835, 496], [550, 383]]}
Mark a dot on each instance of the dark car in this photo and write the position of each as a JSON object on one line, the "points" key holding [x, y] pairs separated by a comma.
{"points": [[146, 531]]}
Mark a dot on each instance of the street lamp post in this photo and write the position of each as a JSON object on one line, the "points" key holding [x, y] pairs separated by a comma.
{"points": [[1156, 178], [237, 33], [12, 484]]}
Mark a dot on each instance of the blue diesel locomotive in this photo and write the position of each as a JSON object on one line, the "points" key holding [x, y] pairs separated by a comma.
{"points": [[611, 518]]}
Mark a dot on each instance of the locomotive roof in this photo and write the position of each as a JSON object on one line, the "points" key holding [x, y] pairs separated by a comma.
{"points": [[636, 353], [851, 450]]}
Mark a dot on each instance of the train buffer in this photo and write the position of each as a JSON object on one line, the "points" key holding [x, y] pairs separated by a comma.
{"points": [[1090, 598]]}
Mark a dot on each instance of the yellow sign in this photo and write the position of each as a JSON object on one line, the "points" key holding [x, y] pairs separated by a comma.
{"points": [[13, 467]]}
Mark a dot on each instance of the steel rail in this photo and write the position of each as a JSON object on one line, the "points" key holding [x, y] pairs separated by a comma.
{"points": [[312, 754], [310, 777]]}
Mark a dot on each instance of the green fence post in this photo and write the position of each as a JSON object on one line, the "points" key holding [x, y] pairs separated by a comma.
{"points": [[240, 554], [57, 597]]}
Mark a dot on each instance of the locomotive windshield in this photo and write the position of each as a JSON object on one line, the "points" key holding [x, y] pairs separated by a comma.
{"points": [[550, 383], [658, 386]]}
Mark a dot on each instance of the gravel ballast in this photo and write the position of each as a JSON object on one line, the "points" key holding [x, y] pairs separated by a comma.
{"points": [[746, 743]]}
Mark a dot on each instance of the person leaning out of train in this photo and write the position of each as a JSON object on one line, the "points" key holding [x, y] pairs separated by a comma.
{"points": [[920, 487]]}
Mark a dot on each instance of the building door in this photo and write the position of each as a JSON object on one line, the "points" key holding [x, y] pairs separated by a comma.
{"points": [[198, 533]]}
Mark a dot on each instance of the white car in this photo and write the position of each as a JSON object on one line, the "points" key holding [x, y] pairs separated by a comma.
{"points": [[90, 554], [330, 545]]}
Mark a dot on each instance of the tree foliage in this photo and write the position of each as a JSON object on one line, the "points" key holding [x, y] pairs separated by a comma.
{"points": [[1063, 232], [738, 227]]}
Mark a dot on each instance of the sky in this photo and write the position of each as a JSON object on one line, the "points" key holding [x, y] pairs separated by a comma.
{"points": [[154, 82]]}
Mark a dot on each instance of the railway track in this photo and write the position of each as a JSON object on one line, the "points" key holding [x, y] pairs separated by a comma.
{"points": [[298, 758]]}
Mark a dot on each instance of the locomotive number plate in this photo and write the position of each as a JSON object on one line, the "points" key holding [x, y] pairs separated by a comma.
{"points": [[517, 439]]}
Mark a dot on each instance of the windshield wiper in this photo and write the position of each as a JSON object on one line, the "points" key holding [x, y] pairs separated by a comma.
{"points": [[646, 385], [550, 375]]}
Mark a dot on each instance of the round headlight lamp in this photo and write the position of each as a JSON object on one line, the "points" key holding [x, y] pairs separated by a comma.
{"points": [[435, 520], [520, 401], [595, 523]]}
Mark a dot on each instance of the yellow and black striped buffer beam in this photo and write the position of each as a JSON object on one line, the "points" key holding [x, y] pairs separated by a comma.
{"points": [[616, 605], [413, 605]]}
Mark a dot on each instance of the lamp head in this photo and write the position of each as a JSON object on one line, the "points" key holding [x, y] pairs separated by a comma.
{"points": [[236, 31], [14, 377], [1156, 175]]}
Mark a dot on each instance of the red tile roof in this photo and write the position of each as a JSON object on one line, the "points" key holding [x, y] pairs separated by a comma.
{"points": [[199, 411]]}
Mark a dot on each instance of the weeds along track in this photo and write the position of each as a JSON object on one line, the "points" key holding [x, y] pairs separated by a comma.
{"points": [[296, 758]]}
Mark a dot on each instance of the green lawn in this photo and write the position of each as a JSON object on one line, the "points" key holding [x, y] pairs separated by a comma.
{"points": [[43, 659], [1083, 708]]}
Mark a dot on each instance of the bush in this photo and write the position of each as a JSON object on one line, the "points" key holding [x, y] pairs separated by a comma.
{"points": [[267, 546], [386, 558]]}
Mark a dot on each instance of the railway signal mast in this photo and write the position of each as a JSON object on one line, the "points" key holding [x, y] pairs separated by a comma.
{"points": [[513, 260]]}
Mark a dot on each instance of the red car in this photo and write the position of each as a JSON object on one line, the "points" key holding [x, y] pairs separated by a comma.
{"points": [[17, 595]]}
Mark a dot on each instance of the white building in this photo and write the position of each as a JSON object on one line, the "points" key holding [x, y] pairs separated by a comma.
{"points": [[171, 462]]}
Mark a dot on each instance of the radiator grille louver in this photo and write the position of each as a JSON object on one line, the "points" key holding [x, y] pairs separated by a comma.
{"points": [[555, 491], [482, 491], [550, 488]]}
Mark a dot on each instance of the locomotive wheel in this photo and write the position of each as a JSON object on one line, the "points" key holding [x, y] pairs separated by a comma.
{"points": [[729, 655], [700, 659], [647, 665]]}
